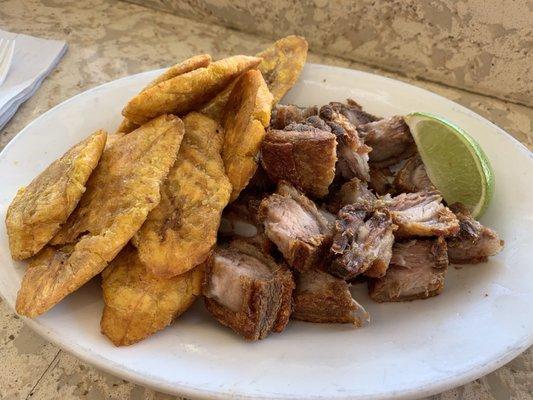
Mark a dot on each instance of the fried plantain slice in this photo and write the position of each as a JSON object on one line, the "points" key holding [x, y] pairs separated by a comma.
{"points": [[126, 126], [179, 233], [38, 210], [190, 64], [281, 66], [246, 115], [185, 92], [123, 189], [139, 303], [215, 108]]}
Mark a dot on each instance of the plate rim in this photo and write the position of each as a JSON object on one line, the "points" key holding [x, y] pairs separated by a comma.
{"points": [[100, 362]]}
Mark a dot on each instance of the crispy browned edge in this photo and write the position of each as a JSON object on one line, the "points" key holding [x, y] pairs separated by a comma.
{"points": [[441, 249], [279, 161], [245, 322], [304, 256]]}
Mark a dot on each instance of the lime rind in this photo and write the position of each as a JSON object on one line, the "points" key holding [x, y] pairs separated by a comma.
{"points": [[478, 155]]}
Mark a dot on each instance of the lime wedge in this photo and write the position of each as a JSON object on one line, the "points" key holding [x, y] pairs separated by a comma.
{"points": [[455, 163]]}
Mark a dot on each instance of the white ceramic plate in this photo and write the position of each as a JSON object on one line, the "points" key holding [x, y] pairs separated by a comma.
{"points": [[482, 320]]}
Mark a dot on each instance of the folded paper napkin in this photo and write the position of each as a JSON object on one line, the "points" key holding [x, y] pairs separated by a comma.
{"points": [[33, 60]]}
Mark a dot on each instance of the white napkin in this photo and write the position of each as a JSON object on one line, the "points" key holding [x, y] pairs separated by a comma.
{"points": [[33, 60]]}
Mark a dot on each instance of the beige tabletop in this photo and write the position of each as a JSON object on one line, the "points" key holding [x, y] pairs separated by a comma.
{"points": [[108, 40]]}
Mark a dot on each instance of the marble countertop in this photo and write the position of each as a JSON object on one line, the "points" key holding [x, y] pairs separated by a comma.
{"points": [[108, 40], [474, 44]]}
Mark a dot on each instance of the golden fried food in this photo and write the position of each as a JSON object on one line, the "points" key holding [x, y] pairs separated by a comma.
{"points": [[122, 190], [190, 64], [138, 303], [126, 126], [215, 108], [281, 67], [39, 209], [179, 233], [185, 92], [245, 117], [113, 137], [282, 64]]}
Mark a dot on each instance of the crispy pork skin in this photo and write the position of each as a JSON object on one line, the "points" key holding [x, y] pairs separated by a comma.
{"points": [[475, 242], [417, 271], [247, 290], [420, 214], [390, 139], [283, 115], [412, 177], [320, 297], [362, 243], [304, 158], [352, 152], [341, 119], [353, 112], [313, 121], [296, 226]]}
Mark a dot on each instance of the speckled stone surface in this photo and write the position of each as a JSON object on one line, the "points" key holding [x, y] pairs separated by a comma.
{"points": [[485, 46], [108, 40]]}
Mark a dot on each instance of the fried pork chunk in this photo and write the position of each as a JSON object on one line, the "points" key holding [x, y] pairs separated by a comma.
{"points": [[353, 112], [283, 115], [240, 218], [475, 242], [352, 152], [247, 290], [320, 297], [300, 231], [390, 139], [304, 158], [362, 243], [353, 191], [313, 121], [412, 177], [420, 214], [417, 271], [340, 119], [381, 180]]}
